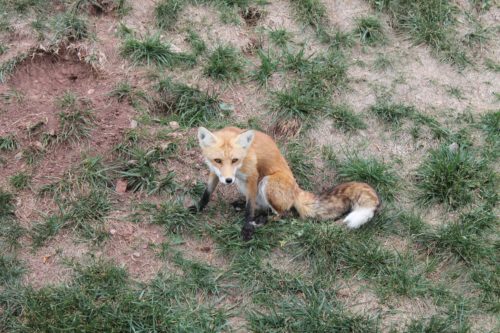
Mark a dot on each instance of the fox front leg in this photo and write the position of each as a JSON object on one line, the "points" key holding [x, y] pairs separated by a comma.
{"points": [[213, 180], [249, 227]]}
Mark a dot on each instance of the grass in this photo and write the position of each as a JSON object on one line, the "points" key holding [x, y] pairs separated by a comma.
{"points": [[190, 106], [104, 294], [68, 26], [429, 22], [10, 230], [197, 44], [451, 177], [301, 164], [75, 121], [20, 180], [11, 269], [345, 119], [382, 62], [279, 37], [224, 63], [392, 113], [150, 50], [8, 67], [174, 217], [370, 31], [125, 92], [315, 311], [167, 12], [8, 143], [461, 238], [370, 170], [310, 12], [267, 67]]}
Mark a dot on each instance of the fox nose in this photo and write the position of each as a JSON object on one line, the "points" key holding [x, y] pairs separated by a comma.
{"points": [[229, 180]]}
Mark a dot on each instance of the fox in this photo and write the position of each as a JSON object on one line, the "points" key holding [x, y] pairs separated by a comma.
{"points": [[252, 160]]}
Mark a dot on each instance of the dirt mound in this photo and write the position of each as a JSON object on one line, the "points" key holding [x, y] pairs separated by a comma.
{"points": [[50, 73]]}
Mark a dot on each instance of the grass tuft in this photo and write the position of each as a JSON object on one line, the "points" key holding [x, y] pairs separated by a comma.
{"points": [[225, 63], [451, 177], [75, 121], [167, 12], [301, 164], [174, 217], [370, 31], [8, 143], [10, 230], [10, 270], [190, 106], [280, 37], [310, 12], [392, 113], [20, 180], [68, 26], [151, 50], [345, 119], [196, 42], [267, 67], [372, 171]]}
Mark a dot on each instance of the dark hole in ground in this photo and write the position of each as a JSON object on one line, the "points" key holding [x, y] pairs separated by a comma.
{"points": [[251, 15]]}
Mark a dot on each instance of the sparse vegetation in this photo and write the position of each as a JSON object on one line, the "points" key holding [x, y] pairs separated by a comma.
{"points": [[345, 119], [370, 30], [151, 50], [189, 106], [20, 180], [225, 63], [99, 162], [451, 176]]}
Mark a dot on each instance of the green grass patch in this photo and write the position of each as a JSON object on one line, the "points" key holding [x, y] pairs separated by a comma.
{"points": [[310, 12], [125, 92], [452, 177], [301, 163], [150, 50], [315, 310], [11, 269], [20, 180], [102, 298], [279, 37], [167, 12], [267, 67], [462, 238], [189, 106], [75, 121], [69, 26], [369, 170], [8, 143], [8, 67], [224, 63], [196, 42], [10, 230], [370, 31], [392, 113], [430, 22], [345, 119]]}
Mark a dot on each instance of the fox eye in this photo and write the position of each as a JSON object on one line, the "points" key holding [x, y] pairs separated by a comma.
{"points": [[234, 160], [218, 161]]}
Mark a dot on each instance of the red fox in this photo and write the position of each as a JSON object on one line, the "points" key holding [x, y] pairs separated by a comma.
{"points": [[252, 160]]}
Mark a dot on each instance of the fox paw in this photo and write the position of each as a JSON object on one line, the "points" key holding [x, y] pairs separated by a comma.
{"points": [[238, 205], [247, 231]]}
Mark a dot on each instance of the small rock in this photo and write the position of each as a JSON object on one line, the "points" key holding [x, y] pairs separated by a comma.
{"points": [[145, 246], [121, 186], [136, 254], [173, 125], [453, 147], [38, 144], [90, 92], [19, 155], [133, 123], [112, 231]]}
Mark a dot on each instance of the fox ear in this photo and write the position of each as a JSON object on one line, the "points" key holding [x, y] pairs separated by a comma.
{"points": [[245, 139], [205, 137]]}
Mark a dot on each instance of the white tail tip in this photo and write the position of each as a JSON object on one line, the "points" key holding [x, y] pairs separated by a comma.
{"points": [[358, 217]]}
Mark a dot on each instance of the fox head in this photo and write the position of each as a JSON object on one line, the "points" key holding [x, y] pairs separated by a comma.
{"points": [[224, 152]]}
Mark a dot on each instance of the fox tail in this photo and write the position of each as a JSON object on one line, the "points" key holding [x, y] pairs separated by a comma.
{"points": [[357, 201]]}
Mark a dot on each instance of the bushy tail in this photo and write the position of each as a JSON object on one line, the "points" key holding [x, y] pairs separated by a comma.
{"points": [[358, 200]]}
